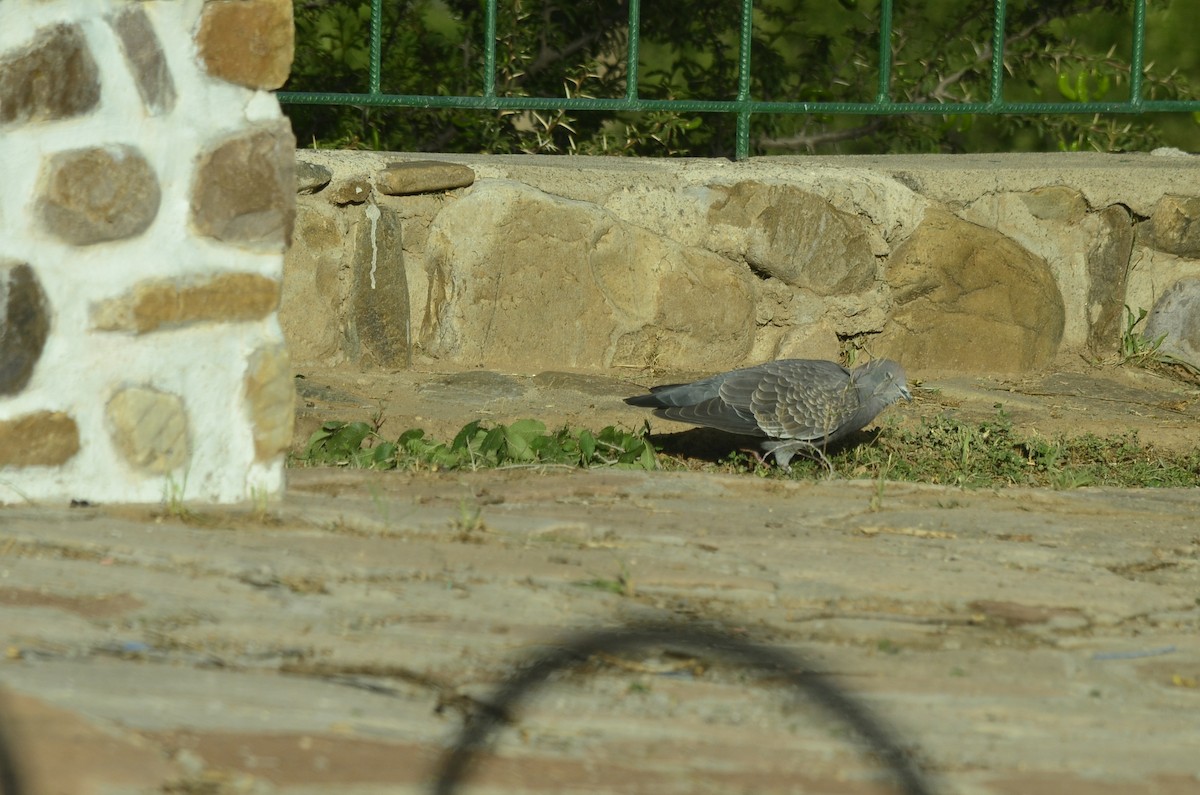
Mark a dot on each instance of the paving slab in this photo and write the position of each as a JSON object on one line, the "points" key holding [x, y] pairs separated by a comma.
{"points": [[1019, 641]]}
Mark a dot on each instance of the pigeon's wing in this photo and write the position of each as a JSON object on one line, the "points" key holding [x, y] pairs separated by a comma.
{"points": [[797, 398]]}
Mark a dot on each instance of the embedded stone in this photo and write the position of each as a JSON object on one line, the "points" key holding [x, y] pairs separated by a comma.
{"points": [[245, 189], [24, 325], [270, 398], [378, 327], [1174, 226], [53, 77], [794, 236], [144, 56], [163, 304], [1108, 268], [313, 290], [971, 300], [40, 439], [355, 190], [423, 176], [310, 177], [95, 195], [553, 283], [247, 42], [149, 428], [1056, 203], [1175, 319]]}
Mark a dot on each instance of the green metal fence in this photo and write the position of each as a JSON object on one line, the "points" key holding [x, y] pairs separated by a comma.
{"points": [[744, 106]]}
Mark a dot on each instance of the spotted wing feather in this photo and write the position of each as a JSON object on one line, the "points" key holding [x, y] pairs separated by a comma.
{"points": [[802, 399]]}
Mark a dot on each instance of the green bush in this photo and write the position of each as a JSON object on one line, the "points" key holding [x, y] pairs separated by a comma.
{"points": [[477, 446], [1056, 50]]}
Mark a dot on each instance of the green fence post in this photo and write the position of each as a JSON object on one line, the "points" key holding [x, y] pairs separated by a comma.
{"points": [[489, 49], [884, 93], [999, 13], [742, 144], [376, 54], [1137, 54], [635, 36]]}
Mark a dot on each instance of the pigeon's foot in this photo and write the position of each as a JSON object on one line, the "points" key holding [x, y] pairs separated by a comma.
{"points": [[784, 451], [759, 457]]}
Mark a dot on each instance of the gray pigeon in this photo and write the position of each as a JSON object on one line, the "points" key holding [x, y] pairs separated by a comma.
{"points": [[797, 404]]}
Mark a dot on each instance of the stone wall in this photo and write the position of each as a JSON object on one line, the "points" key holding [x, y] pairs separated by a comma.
{"points": [[1000, 263], [147, 203]]}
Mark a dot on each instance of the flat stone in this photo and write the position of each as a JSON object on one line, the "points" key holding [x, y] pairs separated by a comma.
{"points": [[1177, 315], [379, 324], [1056, 203], [245, 188], [247, 42], [552, 283], [156, 304], [53, 77], [310, 177], [474, 387], [232, 663], [1108, 268], [794, 236], [583, 383], [95, 195], [149, 428], [40, 439], [314, 279], [270, 398], [355, 190], [971, 300], [423, 176], [1174, 226], [24, 325], [144, 56]]}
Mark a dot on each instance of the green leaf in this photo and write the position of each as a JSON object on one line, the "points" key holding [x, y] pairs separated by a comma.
{"points": [[517, 445], [384, 453], [492, 442], [465, 437], [587, 447], [528, 428]]}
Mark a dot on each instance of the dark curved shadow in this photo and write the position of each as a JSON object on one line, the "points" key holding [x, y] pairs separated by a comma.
{"points": [[574, 652], [713, 446]]}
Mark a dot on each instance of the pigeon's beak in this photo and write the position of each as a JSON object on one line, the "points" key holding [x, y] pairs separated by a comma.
{"points": [[904, 393]]}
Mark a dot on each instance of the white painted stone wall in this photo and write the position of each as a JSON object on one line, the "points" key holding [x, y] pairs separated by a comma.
{"points": [[151, 210]]}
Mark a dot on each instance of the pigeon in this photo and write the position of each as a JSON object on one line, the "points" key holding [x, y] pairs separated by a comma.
{"points": [[796, 404]]}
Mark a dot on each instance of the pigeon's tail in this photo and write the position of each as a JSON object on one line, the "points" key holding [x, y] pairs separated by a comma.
{"points": [[650, 401], [676, 395]]}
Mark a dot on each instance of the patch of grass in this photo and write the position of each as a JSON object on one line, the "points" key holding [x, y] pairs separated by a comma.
{"points": [[477, 446], [469, 525], [940, 449], [620, 584], [991, 454], [1135, 348]]}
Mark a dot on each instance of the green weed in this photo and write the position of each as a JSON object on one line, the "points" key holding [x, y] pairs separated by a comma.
{"points": [[1135, 348], [477, 446], [991, 454], [940, 449]]}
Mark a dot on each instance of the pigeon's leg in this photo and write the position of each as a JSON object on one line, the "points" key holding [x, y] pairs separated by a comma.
{"points": [[785, 451], [759, 457]]}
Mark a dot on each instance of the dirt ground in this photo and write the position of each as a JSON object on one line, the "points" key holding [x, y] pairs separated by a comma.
{"points": [[1018, 641], [1164, 410]]}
